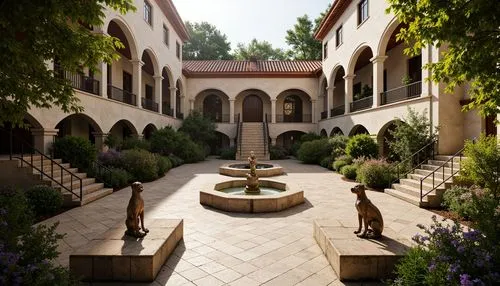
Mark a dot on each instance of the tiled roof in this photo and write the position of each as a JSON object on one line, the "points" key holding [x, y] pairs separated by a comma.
{"points": [[337, 9], [250, 67]]}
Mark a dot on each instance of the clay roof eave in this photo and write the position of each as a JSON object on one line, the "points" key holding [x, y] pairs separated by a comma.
{"points": [[331, 18], [168, 8]]}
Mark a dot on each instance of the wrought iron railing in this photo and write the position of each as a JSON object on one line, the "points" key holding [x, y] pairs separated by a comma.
{"points": [[236, 118], [149, 104], [338, 110], [361, 104], [79, 80], [165, 109], [401, 93], [240, 130], [324, 114], [121, 95], [266, 135], [280, 118]]}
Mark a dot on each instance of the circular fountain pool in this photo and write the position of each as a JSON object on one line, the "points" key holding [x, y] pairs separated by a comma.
{"points": [[230, 196], [242, 169]]}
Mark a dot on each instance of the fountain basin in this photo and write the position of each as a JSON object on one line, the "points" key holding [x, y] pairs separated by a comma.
{"points": [[283, 196], [242, 169]]}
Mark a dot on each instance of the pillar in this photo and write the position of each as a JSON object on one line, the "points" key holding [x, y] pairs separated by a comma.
{"points": [[137, 80], [100, 138], [273, 110], [158, 91], [348, 80], [103, 80], [43, 138], [378, 79], [231, 111], [313, 111], [426, 74], [191, 105], [173, 103], [329, 100]]}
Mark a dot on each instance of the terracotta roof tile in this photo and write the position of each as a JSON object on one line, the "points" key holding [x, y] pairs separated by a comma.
{"points": [[261, 67]]}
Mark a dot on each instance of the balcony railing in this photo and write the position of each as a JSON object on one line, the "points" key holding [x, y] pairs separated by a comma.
{"points": [[149, 104], [324, 114], [336, 111], [402, 93], [280, 118], [121, 95], [361, 104], [165, 109], [79, 81]]}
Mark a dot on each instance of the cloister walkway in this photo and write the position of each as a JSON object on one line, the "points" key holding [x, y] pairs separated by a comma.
{"points": [[222, 248]]}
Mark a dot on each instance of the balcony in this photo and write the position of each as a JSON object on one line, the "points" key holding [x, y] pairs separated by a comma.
{"points": [[79, 81], [401, 93], [361, 104], [324, 114], [121, 95], [336, 111], [280, 118], [149, 104], [165, 109]]}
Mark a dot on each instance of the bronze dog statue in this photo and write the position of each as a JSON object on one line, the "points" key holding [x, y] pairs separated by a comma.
{"points": [[135, 211], [369, 214]]}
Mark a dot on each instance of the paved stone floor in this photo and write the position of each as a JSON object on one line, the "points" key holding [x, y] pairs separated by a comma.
{"points": [[222, 248]]}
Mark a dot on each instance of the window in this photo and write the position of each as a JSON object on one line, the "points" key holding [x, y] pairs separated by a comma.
{"points": [[362, 11], [325, 50], [165, 35], [148, 13], [178, 50], [338, 36]]}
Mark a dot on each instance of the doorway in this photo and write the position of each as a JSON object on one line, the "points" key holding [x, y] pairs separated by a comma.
{"points": [[252, 109]]}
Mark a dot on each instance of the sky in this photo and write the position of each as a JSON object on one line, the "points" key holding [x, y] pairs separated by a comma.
{"points": [[243, 20]]}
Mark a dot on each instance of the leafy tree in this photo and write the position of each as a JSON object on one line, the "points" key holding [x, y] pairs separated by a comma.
{"points": [[36, 32], [259, 50], [470, 29], [201, 129], [207, 43]]}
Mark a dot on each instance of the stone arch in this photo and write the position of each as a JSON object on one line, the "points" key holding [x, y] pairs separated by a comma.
{"points": [[124, 33], [78, 124], [123, 129], [384, 137], [336, 131], [147, 132], [323, 133], [389, 30], [150, 60], [358, 129], [353, 62], [252, 109], [213, 103], [288, 138], [293, 105]]}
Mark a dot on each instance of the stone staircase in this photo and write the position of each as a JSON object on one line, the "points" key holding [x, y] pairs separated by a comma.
{"points": [[252, 139], [409, 189], [91, 190]]}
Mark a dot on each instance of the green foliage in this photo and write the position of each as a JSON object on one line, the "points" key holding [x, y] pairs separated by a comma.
{"points": [[44, 200], [410, 135], [206, 43], [327, 162], [189, 151], [228, 153], [77, 151], [349, 171], [134, 142], [375, 174], [278, 152], [483, 163], [312, 152], [25, 78], [259, 50], [140, 164], [112, 141], [164, 141], [309, 137], [470, 35], [339, 143], [459, 200], [412, 269], [301, 39], [163, 164], [18, 215], [200, 129], [176, 161], [362, 145], [338, 164], [116, 178]]}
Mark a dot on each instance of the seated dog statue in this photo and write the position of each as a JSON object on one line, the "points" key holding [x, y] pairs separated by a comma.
{"points": [[135, 211], [369, 214]]}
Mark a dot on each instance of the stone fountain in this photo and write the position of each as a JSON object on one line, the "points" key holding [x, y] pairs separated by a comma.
{"points": [[252, 186]]}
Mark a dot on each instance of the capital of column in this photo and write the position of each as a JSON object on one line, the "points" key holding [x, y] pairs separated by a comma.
{"points": [[100, 134], [232, 99], [378, 59], [158, 77], [273, 100], [332, 87], [313, 101], [173, 88], [137, 62], [44, 131], [349, 76]]}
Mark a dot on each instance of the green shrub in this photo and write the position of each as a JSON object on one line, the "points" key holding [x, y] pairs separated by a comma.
{"points": [[362, 145], [413, 267], [44, 200], [327, 163], [375, 174], [135, 143], [459, 200], [463, 181], [176, 161], [312, 152], [338, 164], [277, 152], [228, 153], [338, 143], [199, 128], [110, 158], [295, 148], [112, 141], [77, 151], [113, 177], [349, 171], [163, 164], [164, 141], [483, 162], [345, 158], [141, 164], [311, 136], [188, 150]]}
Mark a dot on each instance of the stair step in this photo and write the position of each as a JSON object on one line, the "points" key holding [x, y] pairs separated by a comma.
{"points": [[85, 190], [45, 162], [440, 163], [408, 198], [50, 167], [437, 179], [76, 183], [93, 197], [66, 178], [425, 185], [428, 167], [415, 191], [58, 172], [436, 174], [448, 157]]}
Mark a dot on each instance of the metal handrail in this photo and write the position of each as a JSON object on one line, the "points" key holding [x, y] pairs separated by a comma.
{"points": [[240, 124], [410, 159], [337, 110], [121, 95], [400, 93], [78, 80], [266, 135], [99, 168], [30, 163], [362, 103], [149, 104]]}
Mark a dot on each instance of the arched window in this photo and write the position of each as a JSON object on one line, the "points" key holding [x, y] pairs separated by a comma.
{"points": [[212, 107], [292, 109]]}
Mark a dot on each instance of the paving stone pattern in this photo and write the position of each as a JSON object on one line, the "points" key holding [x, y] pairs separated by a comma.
{"points": [[221, 248]]}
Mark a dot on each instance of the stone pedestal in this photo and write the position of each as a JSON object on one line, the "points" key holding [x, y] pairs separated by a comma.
{"points": [[113, 256], [355, 258]]}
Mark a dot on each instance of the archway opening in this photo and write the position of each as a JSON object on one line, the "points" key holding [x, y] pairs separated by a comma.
{"points": [[338, 101], [362, 87], [324, 93], [253, 109], [221, 142], [123, 129], [79, 125], [166, 107], [358, 129], [212, 107], [288, 139], [178, 102], [148, 131], [384, 138], [293, 105], [323, 133], [148, 93], [292, 109], [22, 137], [336, 131]]}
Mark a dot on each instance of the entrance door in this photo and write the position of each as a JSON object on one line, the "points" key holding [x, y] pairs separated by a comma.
{"points": [[252, 109], [491, 127]]}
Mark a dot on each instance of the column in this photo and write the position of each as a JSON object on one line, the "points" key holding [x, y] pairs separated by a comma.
{"points": [[329, 100], [137, 80], [313, 111], [273, 110], [191, 105], [378, 79], [43, 138], [231, 111], [158, 91], [426, 58], [103, 80], [99, 141], [348, 80], [173, 103]]}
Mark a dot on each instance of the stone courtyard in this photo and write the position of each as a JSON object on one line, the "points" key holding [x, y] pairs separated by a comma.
{"points": [[221, 248]]}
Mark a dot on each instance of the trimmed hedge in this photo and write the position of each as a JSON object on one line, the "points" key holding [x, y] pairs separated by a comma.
{"points": [[228, 153], [312, 152], [141, 164], [164, 164], [338, 164], [349, 171], [77, 151], [375, 174], [362, 145], [45, 200], [278, 153]]}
